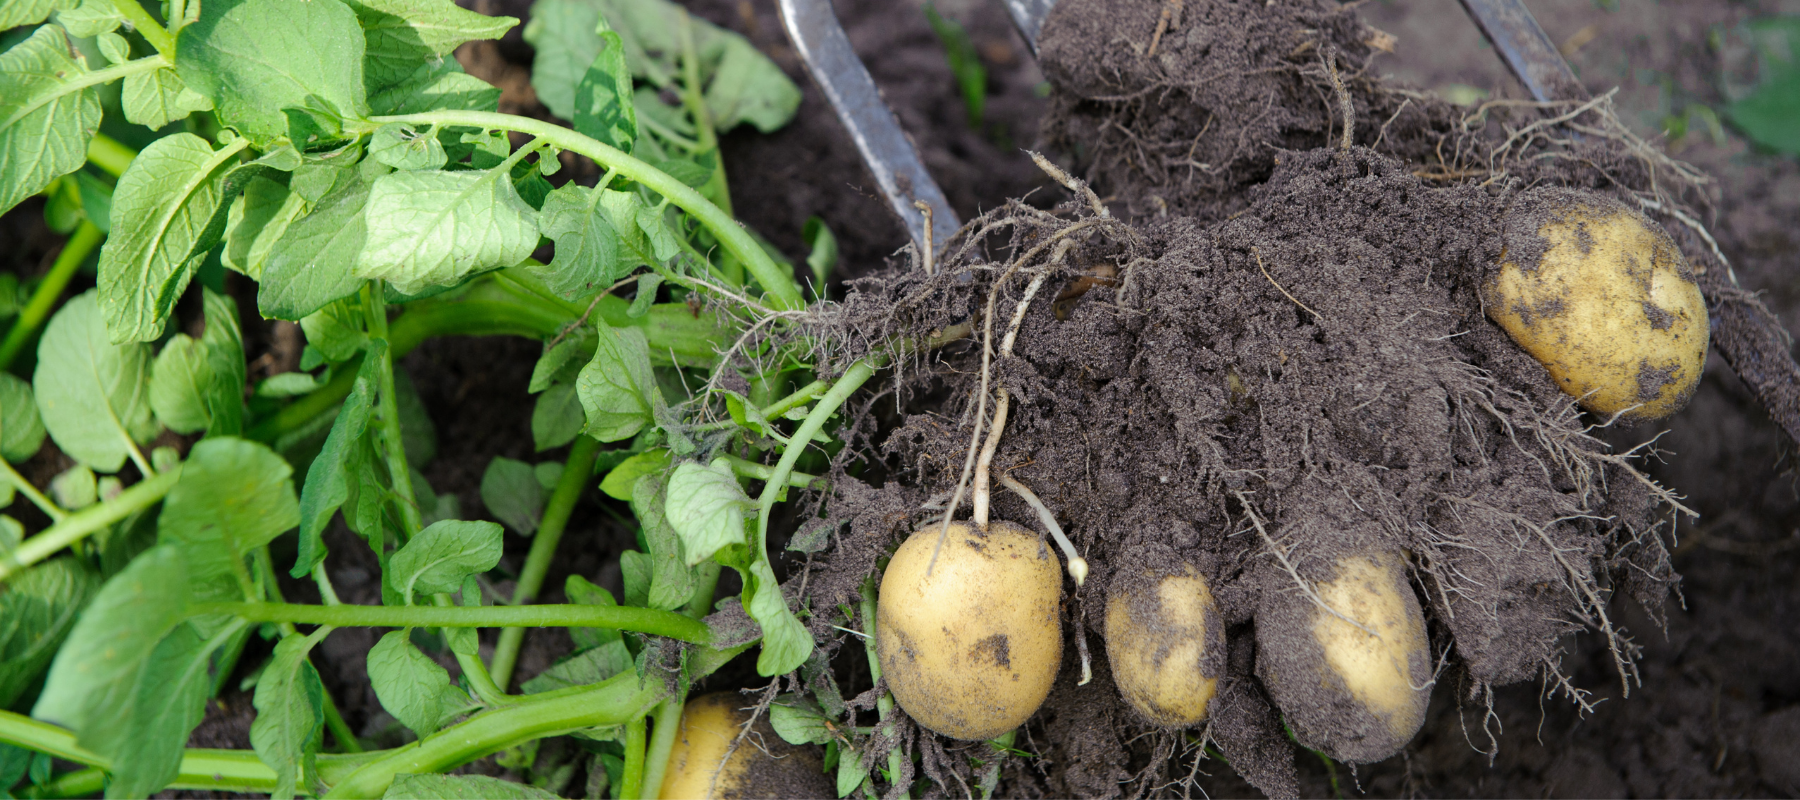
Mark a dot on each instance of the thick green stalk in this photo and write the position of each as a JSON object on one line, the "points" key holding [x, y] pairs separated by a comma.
{"points": [[614, 701], [74, 784], [694, 97], [779, 284], [642, 620], [37, 498], [44, 297], [667, 724], [388, 409], [631, 782], [76, 526], [223, 770], [577, 474], [763, 472], [493, 309], [884, 705], [153, 32], [852, 379], [108, 154]]}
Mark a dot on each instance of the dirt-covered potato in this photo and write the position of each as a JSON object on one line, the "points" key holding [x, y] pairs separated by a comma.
{"points": [[1166, 647], [971, 650], [763, 766], [1601, 296], [1349, 694]]}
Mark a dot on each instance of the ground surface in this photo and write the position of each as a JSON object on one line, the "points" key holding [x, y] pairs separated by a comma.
{"points": [[1719, 710]]}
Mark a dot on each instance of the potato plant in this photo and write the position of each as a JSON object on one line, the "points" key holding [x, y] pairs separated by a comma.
{"points": [[334, 153]]}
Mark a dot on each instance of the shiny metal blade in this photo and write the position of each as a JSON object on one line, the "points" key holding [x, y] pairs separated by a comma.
{"points": [[813, 26], [1526, 49], [1028, 16]]}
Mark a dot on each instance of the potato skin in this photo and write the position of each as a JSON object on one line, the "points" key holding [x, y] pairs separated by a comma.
{"points": [[1345, 693], [971, 651], [767, 767], [1166, 646], [1600, 295]]}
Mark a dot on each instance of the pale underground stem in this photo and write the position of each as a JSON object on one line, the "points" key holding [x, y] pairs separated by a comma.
{"points": [[1078, 566]]}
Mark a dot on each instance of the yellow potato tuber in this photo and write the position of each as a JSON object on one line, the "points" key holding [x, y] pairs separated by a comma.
{"points": [[970, 651], [1352, 684], [1166, 647], [763, 766], [1599, 294]]}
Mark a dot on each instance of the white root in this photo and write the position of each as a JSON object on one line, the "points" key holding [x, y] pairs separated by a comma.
{"points": [[1078, 566]]}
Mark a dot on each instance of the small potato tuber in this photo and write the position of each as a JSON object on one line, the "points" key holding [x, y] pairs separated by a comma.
{"points": [[970, 651], [1166, 647], [1599, 294], [1354, 686], [762, 766]]}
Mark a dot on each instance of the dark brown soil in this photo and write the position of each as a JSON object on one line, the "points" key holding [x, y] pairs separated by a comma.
{"points": [[1720, 685]]}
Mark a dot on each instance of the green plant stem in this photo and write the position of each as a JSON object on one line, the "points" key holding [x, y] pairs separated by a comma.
{"points": [[780, 285], [108, 154], [80, 245], [631, 783], [577, 472], [614, 701], [642, 620], [779, 407], [147, 26], [763, 472], [37, 498], [884, 705], [694, 97], [223, 770], [706, 582], [505, 306], [667, 723], [74, 784], [76, 526], [388, 409], [852, 379], [82, 81]]}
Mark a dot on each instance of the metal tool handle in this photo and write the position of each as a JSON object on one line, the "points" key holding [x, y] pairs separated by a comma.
{"points": [[886, 150]]}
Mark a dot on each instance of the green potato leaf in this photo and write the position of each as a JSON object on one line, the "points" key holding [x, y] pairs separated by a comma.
{"points": [[328, 478], [145, 740], [309, 265], [603, 98], [163, 213], [255, 58], [585, 668], [461, 787], [40, 606], [92, 394], [440, 557], [48, 112], [412, 687], [562, 362], [233, 497], [21, 429], [588, 257], [91, 18], [95, 672], [290, 712], [256, 221], [336, 330], [617, 388], [401, 35], [198, 384], [431, 228], [671, 580], [622, 481], [157, 97], [563, 33], [434, 85], [706, 507], [580, 590], [748, 87], [786, 642], [557, 417], [16, 13], [401, 147], [512, 493], [798, 720]]}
